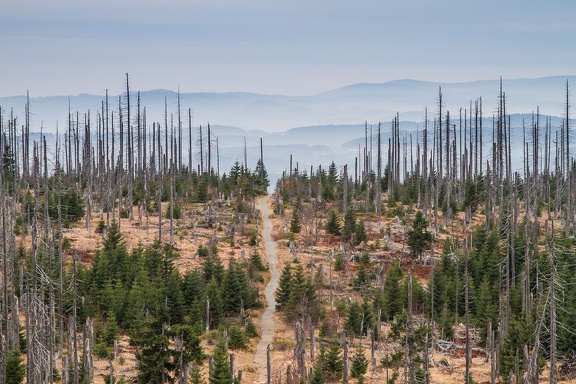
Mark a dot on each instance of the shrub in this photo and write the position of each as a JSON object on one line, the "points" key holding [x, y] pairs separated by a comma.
{"points": [[359, 364], [251, 330], [339, 262], [253, 239], [101, 351], [237, 338], [256, 260], [101, 227], [203, 251], [177, 212]]}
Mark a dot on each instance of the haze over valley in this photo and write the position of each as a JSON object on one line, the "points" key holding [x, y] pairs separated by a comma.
{"points": [[315, 129]]}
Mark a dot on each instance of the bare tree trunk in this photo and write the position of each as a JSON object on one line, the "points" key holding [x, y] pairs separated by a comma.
{"points": [[178, 161], [440, 142], [209, 162], [190, 142], [130, 153], [345, 361], [201, 153], [171, 204], [87, 350], [468, 349], [345, 190], [569, 216], [73, 335], [427, 179], [4, 325], [378, 197], [553, 320], [207, 315]]}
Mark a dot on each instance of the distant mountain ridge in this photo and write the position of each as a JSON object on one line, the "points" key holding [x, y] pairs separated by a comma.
{"points": [[352, 104], [314, 129]]}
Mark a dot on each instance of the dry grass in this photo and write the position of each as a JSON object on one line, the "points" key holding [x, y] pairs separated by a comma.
{"points": [[188, 237]]}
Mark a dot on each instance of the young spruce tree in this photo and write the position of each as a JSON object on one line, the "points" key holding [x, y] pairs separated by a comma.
{"points": [[419, 238]]}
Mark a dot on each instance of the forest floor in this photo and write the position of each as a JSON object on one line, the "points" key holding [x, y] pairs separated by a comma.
{"points": [[447, 367]]}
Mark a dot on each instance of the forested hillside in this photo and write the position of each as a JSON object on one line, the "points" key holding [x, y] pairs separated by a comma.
{"points": [[129, 256]]}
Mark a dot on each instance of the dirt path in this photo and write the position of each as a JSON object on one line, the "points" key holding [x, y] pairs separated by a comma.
{"points": [[267, 323]]}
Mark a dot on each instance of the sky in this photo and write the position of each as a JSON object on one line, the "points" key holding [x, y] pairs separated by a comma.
{"points": [[288, 47]]}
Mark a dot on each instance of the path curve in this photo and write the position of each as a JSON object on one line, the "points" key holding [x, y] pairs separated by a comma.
{"points": [[267, 323]]}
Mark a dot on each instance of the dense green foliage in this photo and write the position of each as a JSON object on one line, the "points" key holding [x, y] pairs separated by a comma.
{"points": [[297, 295], [70, 203], [8, 166], [15, 368], [295, 226], [359, 364], [221, 371], [332, 226], [349, 226], [419, 239], [142, 293], [501, 270], [331, 363]]}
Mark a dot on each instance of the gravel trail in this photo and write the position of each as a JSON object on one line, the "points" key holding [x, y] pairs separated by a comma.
{"points": [[267, 323]]}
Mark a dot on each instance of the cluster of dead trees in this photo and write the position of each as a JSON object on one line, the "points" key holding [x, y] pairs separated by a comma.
{"points": [[113, 162], [118, 163], [474, 181]]}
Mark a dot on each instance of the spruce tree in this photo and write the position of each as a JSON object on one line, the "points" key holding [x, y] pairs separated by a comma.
{"points": [[192, 286], [354, 319], [359, 364], [298, 300], [302, 300], [15, 368], [235, 289], [361, 281], [284, 287], [191, 351], [329, 187], [196, 375], [393, 298], [360, 318], [138, 303], [159, 261], [332, 177], [471, 198], [295, 226], [201, 191], [175, 298], [221, 371], [237, 339], [155, 364], [8, 166], [360, 233], [317, 374], [261, 176], [332, 363], [349, 226], [213, 268], [332, 226], [213, 293], [256, 261], [112, 330], [113, 237], [419, 238]]}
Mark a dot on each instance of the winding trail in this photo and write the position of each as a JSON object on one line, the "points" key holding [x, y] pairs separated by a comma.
{"points": [[267, 323]]}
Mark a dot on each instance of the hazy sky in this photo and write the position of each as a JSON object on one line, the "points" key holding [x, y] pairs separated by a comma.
{"points": [[293, 47]]}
